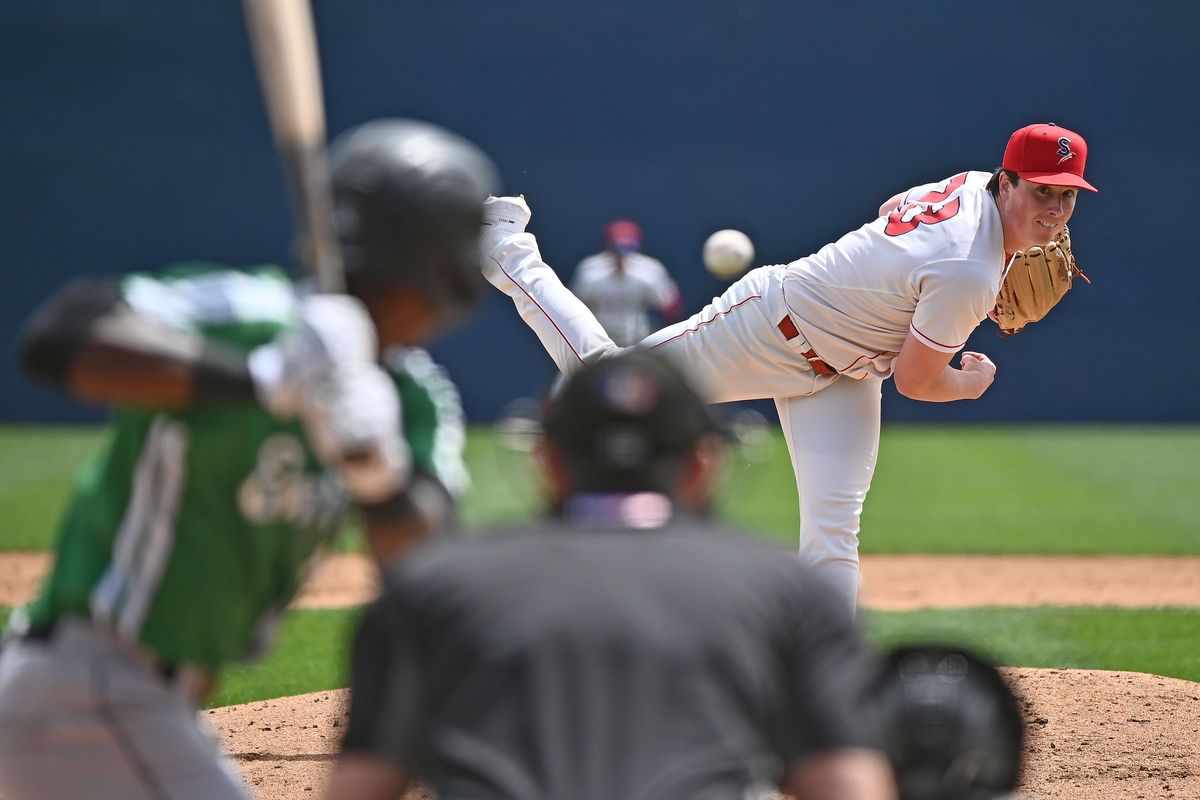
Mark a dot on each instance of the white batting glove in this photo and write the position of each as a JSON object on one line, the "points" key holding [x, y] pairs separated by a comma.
{"points": [[354, 425], [331, 330]]}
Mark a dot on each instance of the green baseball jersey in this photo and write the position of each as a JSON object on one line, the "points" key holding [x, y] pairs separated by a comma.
{"points": [[191, 530]]}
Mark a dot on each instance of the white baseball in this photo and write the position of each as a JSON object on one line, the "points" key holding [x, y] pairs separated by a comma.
{"points": [[727, 253]]}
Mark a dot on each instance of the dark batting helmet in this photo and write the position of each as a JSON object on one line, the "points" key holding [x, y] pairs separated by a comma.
{"points": [[408, 198], [953, 727]]}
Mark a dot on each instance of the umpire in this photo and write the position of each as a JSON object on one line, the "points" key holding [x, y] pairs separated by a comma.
{"points": [[627, 647]]}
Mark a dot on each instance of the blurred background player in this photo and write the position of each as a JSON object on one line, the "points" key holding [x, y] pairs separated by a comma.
{"points": [[623, 286], [626, 647], [248, 414], [897, 297]]}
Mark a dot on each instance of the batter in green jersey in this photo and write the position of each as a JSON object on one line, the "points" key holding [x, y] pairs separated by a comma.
{"points": [[191, 526], [249, 415]]}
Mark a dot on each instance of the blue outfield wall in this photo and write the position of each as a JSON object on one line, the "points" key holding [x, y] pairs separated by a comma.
{"points": [[132, 135]]}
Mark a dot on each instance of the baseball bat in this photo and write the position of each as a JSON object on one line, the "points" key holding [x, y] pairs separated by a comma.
{"points": [[284, 43]]}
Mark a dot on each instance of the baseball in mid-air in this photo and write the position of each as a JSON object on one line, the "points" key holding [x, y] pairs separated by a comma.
{"points": [[727, 253]]}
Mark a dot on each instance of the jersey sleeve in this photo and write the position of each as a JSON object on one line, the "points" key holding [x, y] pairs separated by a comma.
{"points": [[833, 670], [953, 297], [433, 418], [241, 307]]}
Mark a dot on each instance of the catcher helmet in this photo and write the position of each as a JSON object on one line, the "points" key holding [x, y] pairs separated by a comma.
{"points": [[953, 728], [408, 199]]}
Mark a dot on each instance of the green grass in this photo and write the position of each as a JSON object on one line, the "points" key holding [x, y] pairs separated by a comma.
{"points": [[962, 489], [1121, 489], [311, 651], [1157, 641], [36, 468], [310, 654], [1036, 489], [938, 489], [505, 487]]}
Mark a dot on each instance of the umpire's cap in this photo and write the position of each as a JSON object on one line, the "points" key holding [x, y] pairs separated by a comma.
{"points": [[625, 423], [954, 730], [408, 199]]}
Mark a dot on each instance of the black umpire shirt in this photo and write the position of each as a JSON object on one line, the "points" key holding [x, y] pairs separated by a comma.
{"points": [[606, 663]]}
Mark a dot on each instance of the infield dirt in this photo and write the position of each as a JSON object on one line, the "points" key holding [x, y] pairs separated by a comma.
{"points": [[1089, 736], [890, 583]]}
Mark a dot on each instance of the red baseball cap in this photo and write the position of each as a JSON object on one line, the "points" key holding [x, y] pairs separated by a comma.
{"points": [[623, 235], [1047, 153]]}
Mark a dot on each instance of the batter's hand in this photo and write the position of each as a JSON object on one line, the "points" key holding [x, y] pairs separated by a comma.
{"points": [[331, 330], [353, 422], [979, 369]]}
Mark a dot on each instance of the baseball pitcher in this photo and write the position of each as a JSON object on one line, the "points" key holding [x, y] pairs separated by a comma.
{"points": [[897, 298]]}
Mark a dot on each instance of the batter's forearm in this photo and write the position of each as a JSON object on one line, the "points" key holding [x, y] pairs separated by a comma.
{"points": [[88, 341], [110, 374]]}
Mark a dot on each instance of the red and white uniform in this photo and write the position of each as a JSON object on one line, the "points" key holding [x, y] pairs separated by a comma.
{"points": [[623, 297], [933, 266]]}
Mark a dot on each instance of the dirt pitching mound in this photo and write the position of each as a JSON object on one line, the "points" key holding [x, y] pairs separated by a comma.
{"points": [[1090, 736], [1096, 735]]}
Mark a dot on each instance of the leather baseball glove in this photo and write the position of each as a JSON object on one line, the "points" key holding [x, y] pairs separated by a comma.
{"points": [[1037, 279]]}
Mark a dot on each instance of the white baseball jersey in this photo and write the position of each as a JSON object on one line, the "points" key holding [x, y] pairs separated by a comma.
{"points": [[932, 266], [622, 298]]}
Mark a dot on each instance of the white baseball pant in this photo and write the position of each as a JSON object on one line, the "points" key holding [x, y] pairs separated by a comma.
{"points": [[734, 349]]}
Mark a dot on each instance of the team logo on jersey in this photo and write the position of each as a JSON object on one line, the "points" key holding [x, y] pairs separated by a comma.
{"points": [[1064, 149], [931, 208], [280, 490]]}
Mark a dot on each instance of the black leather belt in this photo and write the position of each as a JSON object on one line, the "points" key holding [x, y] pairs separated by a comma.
{"points": [[41, 632]]}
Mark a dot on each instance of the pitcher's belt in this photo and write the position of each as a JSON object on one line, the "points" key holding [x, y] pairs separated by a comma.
{"points": [[789, 331]]}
